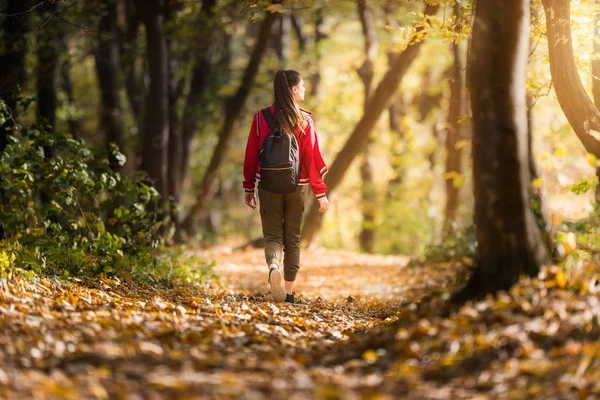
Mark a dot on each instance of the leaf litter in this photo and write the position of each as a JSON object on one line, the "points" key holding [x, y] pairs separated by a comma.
{"points": [[367, 327]]}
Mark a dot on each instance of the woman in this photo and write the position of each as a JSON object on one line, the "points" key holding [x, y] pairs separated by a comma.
{"points": [[281, 214]]}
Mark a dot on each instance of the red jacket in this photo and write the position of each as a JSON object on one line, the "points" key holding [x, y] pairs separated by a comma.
{"points": [[313, 167]]}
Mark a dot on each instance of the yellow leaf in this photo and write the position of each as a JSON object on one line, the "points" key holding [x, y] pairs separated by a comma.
{"points": [[450, 175], [561, 279], [462, 144], [592, 159], [537, 183], [458, 180], [560, 149], [370, 356]]}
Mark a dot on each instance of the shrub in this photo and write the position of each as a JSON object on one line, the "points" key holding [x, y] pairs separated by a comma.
{"points": [[71, 214]]}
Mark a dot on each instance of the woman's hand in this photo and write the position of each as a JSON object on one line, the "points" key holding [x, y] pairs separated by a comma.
{"points": [[250, 200], [323, 204]]}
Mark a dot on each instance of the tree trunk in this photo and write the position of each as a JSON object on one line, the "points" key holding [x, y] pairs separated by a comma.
{"points": [[581, 113], [281, 38], [396, 112], [12, 59], [315, 76], [359, 137], [596, 58], [453, 136], [201, 72], [366, 238], [596, 80], [128, 48], [67, 84], [232, 111], [155, 137], [298, 24], [175, 133], [509, 242], [13, 73], [425, 100], [107, 69], [47, 72]]}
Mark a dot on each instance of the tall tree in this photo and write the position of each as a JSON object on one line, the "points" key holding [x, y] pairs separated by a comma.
{"points": [[298, 26], [176, 86], [107, 70], [202, 70], [360, 134], [67, 85], [596, 58], [581, 113], [366, 237], [280, 37], [232, 110], [596, 78], [315, 76], [13, 48], [49, 45], [453, 136], [155, 135], [509, 241], [129, 54]]}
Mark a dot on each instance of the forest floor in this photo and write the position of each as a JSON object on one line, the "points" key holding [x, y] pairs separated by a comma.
{"points": [[372, 327]]}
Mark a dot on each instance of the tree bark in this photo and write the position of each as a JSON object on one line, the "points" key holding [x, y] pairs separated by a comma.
{"points": [[366, 238], [107, 70], [359, 137], [596, 80], [425, 100], [201, 72], [12, 59], [596, 58], [67, 84], [315, 76], [232, 110], [281, 38], [453, 136], [298, 24], [13, 73], [155, 136], [581, 113], [128, 48], [176, 85], [47, 73], [509, 241]]}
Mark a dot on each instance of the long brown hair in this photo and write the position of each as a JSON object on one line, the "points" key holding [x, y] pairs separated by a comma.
{"points": [[287, 113]]}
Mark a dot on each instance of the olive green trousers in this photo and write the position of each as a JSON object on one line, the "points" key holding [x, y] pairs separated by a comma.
{"points": [[281, 216]]}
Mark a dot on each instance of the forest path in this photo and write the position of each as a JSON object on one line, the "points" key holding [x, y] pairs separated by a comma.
{"points": [[104, 338], [368, 327], [332, 275]]}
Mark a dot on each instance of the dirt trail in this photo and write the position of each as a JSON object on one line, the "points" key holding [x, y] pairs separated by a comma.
{"points": [[107, 339], [332, 275]]}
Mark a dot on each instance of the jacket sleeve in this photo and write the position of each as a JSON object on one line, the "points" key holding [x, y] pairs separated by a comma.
{"points": [[314, 161], [251, 157]]}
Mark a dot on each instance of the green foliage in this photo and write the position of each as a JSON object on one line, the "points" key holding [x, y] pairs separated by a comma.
{"points": [[584, 185], [462, 244], [72, 215]]}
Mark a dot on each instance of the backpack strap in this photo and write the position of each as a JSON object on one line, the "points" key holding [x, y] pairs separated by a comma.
{"points": [[269, 118]]}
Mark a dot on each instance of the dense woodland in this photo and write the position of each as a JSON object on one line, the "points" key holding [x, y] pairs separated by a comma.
{"points": [[460, 135]]}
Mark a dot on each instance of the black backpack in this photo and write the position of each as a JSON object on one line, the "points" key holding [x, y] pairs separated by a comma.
{"points": [[279, 159]]}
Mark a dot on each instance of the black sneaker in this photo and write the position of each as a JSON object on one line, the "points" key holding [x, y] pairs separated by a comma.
{"points": [[276, 282], [289, 298]]}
